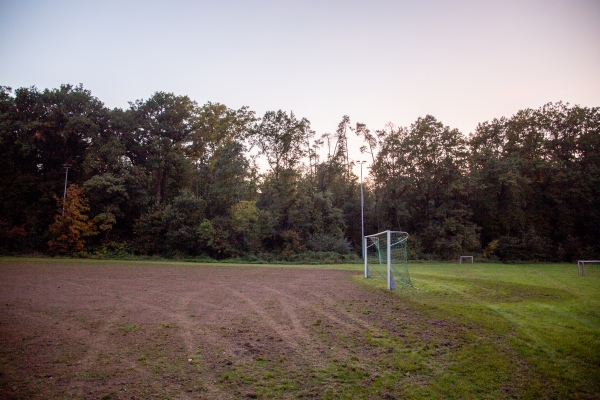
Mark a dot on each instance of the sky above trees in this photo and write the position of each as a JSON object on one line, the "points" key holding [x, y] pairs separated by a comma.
{"points": [[379, 61]]}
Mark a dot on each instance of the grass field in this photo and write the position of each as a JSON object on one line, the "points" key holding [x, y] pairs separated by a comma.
{"points": [[539, 321], [152, 330]]}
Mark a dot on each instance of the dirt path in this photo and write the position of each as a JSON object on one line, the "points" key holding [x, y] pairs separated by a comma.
{"points": [[118, 331]]}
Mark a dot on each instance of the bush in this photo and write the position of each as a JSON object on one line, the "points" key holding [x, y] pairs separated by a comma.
{"points": [[328, 243], [321, 257], [490, 249], [114, 250], [529, 247], [307, 257]]}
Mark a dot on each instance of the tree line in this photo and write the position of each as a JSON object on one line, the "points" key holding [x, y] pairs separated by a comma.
{"points": [[169, 177]]}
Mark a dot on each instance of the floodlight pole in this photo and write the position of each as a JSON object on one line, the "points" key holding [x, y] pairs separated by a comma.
{"points": [[65, 191], [362, 218]]}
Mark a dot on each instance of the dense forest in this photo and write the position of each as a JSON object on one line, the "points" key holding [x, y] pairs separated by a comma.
{"points": [[168, 177]]}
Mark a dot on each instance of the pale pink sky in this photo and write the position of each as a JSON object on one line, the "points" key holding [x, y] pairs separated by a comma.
{"points": [[377, 61]]}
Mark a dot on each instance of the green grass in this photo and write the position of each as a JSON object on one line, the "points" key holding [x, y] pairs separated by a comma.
{"points": [[539, 319]]}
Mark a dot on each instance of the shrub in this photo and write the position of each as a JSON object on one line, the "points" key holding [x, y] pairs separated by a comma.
{"points": [[328, 243], [529, 247]]}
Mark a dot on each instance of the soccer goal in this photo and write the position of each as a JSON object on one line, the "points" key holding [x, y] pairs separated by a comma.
{"points": [[583, 270], [386, 257]]}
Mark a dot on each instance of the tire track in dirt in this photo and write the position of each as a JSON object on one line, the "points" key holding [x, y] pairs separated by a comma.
{"points": [[241, 319], [298, 339], [355, 325], [101, 341], [329, 311], [59, 332], [49, 322], [183, 320], [57, 322], [178, 316]]}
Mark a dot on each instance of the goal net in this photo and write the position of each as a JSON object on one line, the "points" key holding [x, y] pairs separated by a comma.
{"points": [[386, 257]]}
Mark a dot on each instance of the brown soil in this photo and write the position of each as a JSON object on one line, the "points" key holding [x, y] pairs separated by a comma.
{"points": [[154, 331]]}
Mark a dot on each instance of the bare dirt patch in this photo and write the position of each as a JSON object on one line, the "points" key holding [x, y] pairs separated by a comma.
{"points": [[147, 331]]}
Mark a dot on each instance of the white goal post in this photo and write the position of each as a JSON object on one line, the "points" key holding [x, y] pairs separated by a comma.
{"points": [[386, 256], [581, 265], [461, 258]]}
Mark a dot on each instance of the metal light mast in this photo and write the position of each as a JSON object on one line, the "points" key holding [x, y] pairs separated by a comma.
{"points": [[65, 191], [362, 218]]}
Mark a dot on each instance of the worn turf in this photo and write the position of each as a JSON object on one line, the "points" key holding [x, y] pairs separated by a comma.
{"points": [[151, 330]]}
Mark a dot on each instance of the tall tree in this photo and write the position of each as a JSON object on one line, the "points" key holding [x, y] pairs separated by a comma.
{"points": [[164, 128], [280, 138], [218, 126]]}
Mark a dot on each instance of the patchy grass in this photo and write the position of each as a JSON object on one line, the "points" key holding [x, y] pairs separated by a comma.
{"points": [[540, 318], [129, 328], [481, 331], [155, 261], [490, 331]]}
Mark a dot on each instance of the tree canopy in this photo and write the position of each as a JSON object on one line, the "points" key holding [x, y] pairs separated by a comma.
{"points": [[169, 177]]}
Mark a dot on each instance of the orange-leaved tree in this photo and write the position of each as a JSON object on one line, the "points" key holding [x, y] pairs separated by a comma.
{"points": [[71, 225]]}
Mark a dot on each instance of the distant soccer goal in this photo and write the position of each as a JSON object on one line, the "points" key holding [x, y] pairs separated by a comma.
{"points": [[386, 257], [583, 270]]}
